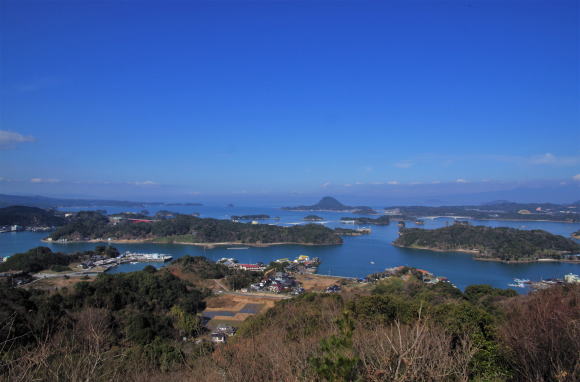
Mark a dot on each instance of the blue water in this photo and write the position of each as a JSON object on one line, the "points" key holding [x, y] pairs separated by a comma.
{"points": [[353, 258]]}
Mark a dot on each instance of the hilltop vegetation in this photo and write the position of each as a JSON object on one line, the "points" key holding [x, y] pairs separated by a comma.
{"points": [[131, 327], [329, 203], [98, 330], [43, 258], [30, 217], [189, 229], [507, 244]]}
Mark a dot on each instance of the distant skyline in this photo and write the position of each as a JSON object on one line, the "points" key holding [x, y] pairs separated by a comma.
{"points": [[291, 100]]}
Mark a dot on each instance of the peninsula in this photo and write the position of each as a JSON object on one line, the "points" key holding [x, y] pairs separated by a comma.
{"points": [[329, 203], [495, 244], [30, 216], [90, 226]]}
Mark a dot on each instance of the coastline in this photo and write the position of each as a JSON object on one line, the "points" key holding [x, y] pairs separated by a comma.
{"points": [[474, 252], [498, 219], [206, 245]]}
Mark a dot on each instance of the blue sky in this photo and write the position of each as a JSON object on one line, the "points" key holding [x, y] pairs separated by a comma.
{"points": [[194, 99]]}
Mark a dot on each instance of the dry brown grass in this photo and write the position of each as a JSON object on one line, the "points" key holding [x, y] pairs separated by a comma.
{"points": [[317, 283]]}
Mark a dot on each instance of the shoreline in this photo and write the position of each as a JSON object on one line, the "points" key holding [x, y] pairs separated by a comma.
{"points": [[499, 219], [496, 259], [206, 245]]}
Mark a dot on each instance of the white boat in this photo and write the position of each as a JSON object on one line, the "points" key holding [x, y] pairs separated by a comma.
{"points": [[238, 248], [372, 262]]}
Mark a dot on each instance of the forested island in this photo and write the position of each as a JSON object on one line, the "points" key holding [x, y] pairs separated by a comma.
{"points": [[329, 203], [313, 218], [488, 243], [499, 210], [382, 220], [185, 229], [30, 216]]}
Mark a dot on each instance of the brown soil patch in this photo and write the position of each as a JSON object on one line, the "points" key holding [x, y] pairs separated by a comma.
{"points": [[317, 283]]}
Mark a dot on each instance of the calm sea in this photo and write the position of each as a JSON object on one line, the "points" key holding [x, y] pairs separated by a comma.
{"points": [[357, 257]]}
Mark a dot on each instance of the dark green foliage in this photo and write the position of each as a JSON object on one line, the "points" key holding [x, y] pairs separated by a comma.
{"points": [[60, 268], [29, 216], [501, 243], [383, 308], [206, 269], [107, 251], [36, 259], [203, 267], [83, 224], [239, 279], [144, 291], [313, 218], [185, 228], [487, 295], [338, 361]]}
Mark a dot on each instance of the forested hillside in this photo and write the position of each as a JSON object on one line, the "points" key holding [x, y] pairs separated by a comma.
{"points": [[488, 242]]}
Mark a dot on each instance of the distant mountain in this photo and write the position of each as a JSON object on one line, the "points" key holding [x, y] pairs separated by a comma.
{"points": [[47, 202], [500, 210], [29, 217], [329, 203]]}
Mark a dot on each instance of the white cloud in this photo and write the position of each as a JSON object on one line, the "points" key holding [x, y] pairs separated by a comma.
{"points": [[144, 183], [436, 182], [44, 180], [404, 164], [393, 182], [195, 193], [9, 138], [576, 177], [325, 184], [553, 160], [461, 181]]}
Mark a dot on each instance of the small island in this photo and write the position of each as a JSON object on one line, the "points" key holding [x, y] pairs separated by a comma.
{"points": [[329, 203], [90, 226], [493, 244], [383, 220], [313, 218]]}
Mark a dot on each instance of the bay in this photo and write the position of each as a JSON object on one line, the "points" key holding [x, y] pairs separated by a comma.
{"points": [[357, 257]]}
